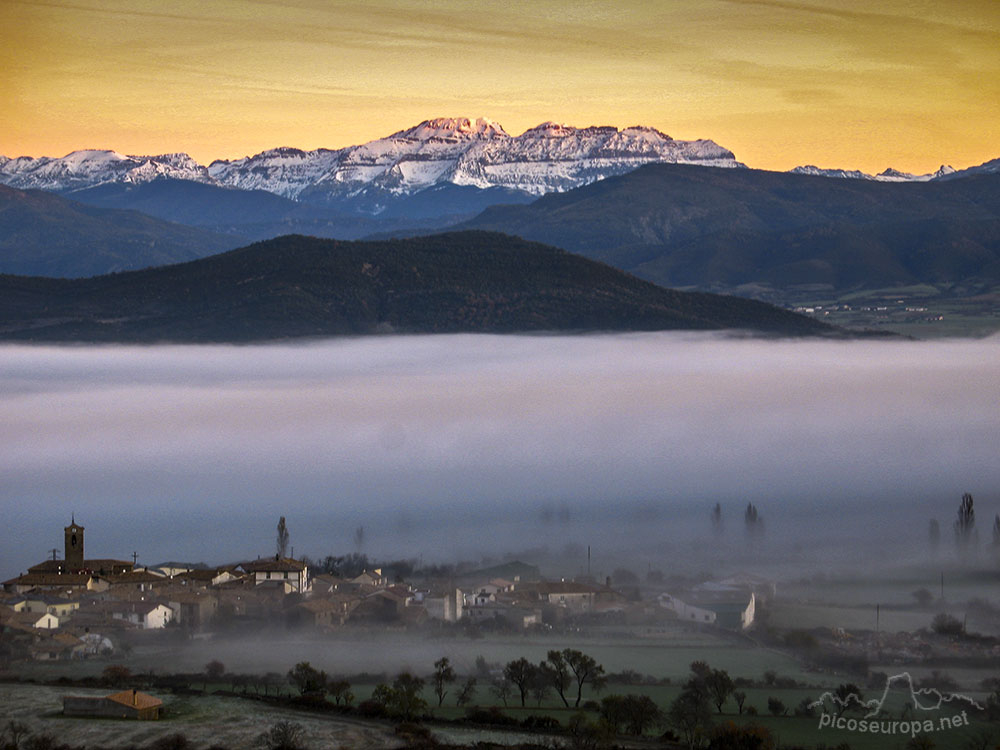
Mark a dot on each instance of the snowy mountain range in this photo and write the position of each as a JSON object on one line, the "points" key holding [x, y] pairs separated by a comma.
{"points": [[88, 168], [476, 153], [889, 175], [460, 151], [440, 171]]}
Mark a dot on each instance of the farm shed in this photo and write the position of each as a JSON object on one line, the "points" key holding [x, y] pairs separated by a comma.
{"points": [[128, 704]]}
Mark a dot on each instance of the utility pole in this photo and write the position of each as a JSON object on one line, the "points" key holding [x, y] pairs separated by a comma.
{"points": [[135, 557]]}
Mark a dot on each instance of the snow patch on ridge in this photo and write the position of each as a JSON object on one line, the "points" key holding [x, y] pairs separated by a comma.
{"points": [[888, 175]]}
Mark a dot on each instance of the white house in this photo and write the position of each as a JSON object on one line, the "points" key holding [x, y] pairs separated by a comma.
{"points": [[687, 612], [747, 615], [147, 615], [293, 574], [48, 621]]}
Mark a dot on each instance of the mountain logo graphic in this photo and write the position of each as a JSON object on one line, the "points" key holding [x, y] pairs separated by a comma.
{"points": [[896, 687]]}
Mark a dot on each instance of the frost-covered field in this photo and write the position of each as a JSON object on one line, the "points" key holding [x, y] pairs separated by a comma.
{"points": [[206, 721]]}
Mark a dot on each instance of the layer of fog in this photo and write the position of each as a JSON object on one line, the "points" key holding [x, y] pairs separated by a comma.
{"points": [[469, 446]]}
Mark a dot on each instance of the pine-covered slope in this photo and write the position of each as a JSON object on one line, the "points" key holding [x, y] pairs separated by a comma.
{"points": [[298, 286], [679, 225]]}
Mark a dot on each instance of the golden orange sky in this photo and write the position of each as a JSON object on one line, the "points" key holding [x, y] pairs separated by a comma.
{"points": [[837, 83]]}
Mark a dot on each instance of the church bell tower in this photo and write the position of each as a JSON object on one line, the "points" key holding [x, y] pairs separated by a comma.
{"points": [[74, 546]]}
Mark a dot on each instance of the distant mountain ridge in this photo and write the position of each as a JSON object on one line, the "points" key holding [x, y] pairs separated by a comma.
{"points": [[721, 229], [888, 175], [42, 234], [446, 171]]}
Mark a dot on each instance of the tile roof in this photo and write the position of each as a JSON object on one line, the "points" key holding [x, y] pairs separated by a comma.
{"points": [[135, 699], [270, 564], [50, 579], [135, 576]]}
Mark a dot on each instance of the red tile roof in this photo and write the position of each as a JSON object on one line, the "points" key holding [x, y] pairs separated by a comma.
{"points": [[135, 699]]}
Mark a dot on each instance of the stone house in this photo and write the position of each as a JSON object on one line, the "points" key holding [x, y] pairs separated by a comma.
{"points": [[128, 704], [293, 574]]}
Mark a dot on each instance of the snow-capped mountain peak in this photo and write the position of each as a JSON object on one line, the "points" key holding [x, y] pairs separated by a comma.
{"points": [[549, 129], [850, 174], [895, 175], [88, 158], [643, 131], [453, 128], [988, 167]]}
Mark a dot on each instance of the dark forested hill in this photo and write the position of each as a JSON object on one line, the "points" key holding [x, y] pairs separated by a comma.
{"points": [[300, 286], [681, 225], [46, 235]]}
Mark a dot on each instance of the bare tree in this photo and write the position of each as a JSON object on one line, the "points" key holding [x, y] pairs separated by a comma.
{"points": [[690, 714], [965, 524], [444, 675], [282, 538], [406, 690], [521, 673], [467, 693], [558, 671], [740, 697], [501, 688], [571, 665], [754, 522], [720, 687], [359, 539], [541, 684], [340, 690]]}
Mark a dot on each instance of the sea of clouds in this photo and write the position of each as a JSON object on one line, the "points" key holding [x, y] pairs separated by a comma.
{"points": [[467, 445]]}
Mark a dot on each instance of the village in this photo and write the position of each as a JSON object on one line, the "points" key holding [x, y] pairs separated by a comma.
{"points": [[86, 625], [79, 607]]}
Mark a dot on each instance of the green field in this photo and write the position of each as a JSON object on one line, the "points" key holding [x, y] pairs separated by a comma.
{"points": [[661, 653], [920, 311]]}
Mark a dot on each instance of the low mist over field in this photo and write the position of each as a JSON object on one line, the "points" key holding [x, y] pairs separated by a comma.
{"points": [[464, 446]]}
